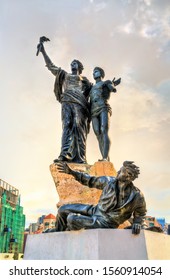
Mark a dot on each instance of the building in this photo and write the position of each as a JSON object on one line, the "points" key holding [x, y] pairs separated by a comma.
{"points": [[43, 223], [161, 221], [152, 222], [166, 228], [49, 221], [33, 227], [41, 219], [12, 194], [12, 220]]}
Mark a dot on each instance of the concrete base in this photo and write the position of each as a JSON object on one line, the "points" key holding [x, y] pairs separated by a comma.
{"points": [[98, 244]]}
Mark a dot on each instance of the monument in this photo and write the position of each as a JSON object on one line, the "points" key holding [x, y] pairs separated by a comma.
{"points": [[94, 201]]}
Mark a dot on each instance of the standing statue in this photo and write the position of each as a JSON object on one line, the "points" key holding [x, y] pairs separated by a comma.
{"points": [[120, 200], [101, 110], [72, 91]]}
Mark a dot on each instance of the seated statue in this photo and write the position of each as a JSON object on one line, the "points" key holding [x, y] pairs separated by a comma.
{"points": [[119, 201]]}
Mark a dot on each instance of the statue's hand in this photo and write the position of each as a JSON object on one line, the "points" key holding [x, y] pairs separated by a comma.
{"points": [[109, 85], [136, 227], [40, 47], [63, 167]]}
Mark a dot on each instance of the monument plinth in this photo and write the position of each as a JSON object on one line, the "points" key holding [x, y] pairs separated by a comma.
{"points": [[98, 244], [71, 191]]}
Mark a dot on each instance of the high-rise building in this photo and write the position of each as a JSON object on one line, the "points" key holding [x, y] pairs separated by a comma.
{"points": [[12, 220]]}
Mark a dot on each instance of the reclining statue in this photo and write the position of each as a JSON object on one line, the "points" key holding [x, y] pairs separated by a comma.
{"points": [[120, 200]]}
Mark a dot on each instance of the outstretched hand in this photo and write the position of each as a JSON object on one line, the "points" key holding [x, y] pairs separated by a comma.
{"points": [[63, 167]]}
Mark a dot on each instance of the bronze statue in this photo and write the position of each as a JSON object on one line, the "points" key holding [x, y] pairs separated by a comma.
{"points": [[72, 90], [120, 200], [101, 110]]}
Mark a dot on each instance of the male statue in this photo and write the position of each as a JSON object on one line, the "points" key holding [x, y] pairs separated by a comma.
{"points": [[101, 110], [120, 200], [72, 90]]}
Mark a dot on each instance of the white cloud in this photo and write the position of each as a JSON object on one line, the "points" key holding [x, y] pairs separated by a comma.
{"points": [[127, 28], [148, 2], [100, 6]]}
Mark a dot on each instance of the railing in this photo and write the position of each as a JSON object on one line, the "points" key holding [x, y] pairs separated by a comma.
{"points": [[8, 187]]}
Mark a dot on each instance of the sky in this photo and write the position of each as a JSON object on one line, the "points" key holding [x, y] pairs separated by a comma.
{"points": [[128, 39]]}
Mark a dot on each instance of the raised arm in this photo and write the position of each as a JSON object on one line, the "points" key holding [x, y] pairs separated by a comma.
{"points": [[49, 64], [84, 178]]}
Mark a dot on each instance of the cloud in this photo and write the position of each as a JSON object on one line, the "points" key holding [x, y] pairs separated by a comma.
{"points": [[148, 19], [100, 6]]}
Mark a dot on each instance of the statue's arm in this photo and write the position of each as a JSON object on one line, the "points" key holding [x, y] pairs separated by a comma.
{"points": [[107, 88], [90, 181], [87, 85], [110, 85], [49, 63], [139, 215], [83, 178]]}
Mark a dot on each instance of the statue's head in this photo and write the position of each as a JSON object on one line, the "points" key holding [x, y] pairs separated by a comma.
{"points": [[98, 72], [77, 65], [128, 172]]}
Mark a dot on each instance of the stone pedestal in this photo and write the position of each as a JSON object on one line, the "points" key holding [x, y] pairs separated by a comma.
{"points": [[98, 244], [71, 191]]}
